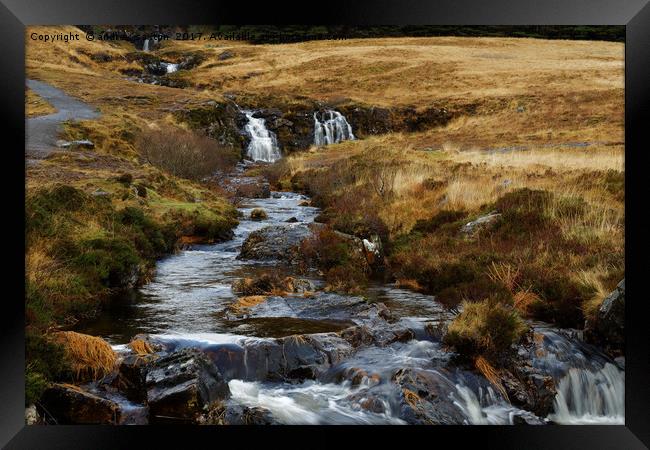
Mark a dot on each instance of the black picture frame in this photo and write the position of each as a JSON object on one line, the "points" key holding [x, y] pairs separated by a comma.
{"points": [[634, 14]]}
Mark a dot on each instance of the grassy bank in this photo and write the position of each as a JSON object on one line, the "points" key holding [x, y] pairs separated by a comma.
{"points": [[98, 219], [552, 251]]}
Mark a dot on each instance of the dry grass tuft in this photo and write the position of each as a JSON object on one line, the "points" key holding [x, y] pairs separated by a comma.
{"points": [[491, 374], [243, 303], [90, 357], [141, 347], [523, 300], [411, 397], [505, 274]]}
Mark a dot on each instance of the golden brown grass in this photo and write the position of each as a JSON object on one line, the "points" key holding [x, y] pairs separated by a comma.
{"points": [[246, 302], [141, 347], [417, 71], [411, 397], [36, 106], [90, 357], [491, 374]]}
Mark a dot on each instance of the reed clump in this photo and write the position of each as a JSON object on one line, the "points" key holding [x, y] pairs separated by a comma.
{"points": [[89, 357]]}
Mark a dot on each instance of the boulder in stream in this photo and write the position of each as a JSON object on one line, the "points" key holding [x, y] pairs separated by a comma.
{"points": [[72, 405], [279, 242], [181, 384]]}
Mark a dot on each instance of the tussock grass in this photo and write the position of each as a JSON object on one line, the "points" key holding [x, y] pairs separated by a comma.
{"points": [[487, 328], [491, 374], [141, 347], [243, 303], [90, 357]]}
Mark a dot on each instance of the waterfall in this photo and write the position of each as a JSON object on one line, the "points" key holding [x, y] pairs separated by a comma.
{"points": [[145, 46], [332, 128], [263, 145], [591, 397], [171, 68]]}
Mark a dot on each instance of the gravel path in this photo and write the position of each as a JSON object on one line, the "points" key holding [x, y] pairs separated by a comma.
{"points": [[42, 132]]}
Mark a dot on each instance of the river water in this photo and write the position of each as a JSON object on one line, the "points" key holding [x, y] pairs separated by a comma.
{"points": [[186, 304]]}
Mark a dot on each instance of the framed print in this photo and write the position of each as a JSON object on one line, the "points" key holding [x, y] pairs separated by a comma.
{"points": [[239, 216]]}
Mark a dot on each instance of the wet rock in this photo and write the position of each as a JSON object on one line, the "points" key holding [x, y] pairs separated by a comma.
{"points": [[527, 419], [249, 187], [528, 388], [156, 68], [244, 415], [471, 227], [321, 306], [71, 405], [231, 413], [259, 214], [131, 377], [425, 398], [308, 356], [275, 242], [608, 329], [270, 284], [357, 336], [291, 220], [371, 248], [181, 384]]}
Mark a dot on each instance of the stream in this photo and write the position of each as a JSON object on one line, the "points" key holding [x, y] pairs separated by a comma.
{"points": [[185, 305]]}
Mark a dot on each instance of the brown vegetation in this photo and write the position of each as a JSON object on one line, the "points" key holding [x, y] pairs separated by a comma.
{"points": [[90, 357], [185, 154]]}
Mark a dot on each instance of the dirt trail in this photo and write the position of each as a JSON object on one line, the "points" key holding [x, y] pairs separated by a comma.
{"points": [[42, 132]]}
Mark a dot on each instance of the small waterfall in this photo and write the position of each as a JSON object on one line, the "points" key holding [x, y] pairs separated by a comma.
{"points": [[488, 408], [145, 46], [590, 387], [171, 67], [332, 128], [591, 397], [263, 145]]}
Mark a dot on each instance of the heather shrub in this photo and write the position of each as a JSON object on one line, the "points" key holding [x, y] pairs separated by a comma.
{"points": [[186, 154]]}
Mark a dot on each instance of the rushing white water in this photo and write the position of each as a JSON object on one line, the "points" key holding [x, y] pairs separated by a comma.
{"points": [[171, 67], [145, 46], [331, 128], [590, 388], [263, 145], [591, 397], [181, 307], [487, 408], [309, 403]]}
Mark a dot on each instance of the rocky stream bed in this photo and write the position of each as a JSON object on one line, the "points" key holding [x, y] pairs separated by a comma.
{"points": [[322, 358]]}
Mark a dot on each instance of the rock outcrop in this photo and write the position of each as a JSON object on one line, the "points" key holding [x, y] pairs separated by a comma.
{"points": [[278, 242], [608, 330], [180, 385], [72, 405]]}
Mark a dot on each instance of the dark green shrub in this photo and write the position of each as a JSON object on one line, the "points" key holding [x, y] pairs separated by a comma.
{"points": [[125, 178], [435, 222], [111, 261], [560, 298], [35, 385]]}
